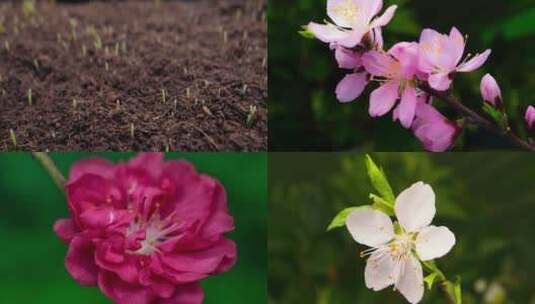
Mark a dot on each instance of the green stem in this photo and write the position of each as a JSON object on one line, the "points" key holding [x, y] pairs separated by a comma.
{"points": [[50, 168]]}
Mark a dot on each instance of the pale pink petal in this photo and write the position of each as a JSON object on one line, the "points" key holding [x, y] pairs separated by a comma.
{"points": [[378, 38], [353, 37], [529, 117], [415, 207], [434, 242], [344, 13], [351, 86], [407, 107], [474, 63], [411, 281], [436, 132], [385, 18], [406, 54], [458, 43], [379, 269], [439, 81], [370, 227], [371, 7], [490, 90], [382, 99], [327, 32]]}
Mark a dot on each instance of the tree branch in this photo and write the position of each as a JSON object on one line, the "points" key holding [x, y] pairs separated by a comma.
{"points": [[51, 169], [477, 118]]}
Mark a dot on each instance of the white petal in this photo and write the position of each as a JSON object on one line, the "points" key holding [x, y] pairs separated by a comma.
{"points": [[327, 32], [434, 242], [415, 207], [378, 272], [344, 13], [411, 280], [385, 18], [370, 227]]}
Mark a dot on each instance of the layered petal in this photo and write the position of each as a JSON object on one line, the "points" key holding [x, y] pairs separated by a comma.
{"points": [[185, 294], [93, 166], [351, 87], [122, 292], [415, 207], [80, 261], [434, 242], [370, 227], [436, 133], [346, 59], [411, 281], [379, 269], [383, 99], [66, 229], [379, 64], [439, 81]]}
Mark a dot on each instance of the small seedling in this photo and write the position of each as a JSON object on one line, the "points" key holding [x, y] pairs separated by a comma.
{"points": [[164, 96], [30, 98], [117, 49], [251, 116], [123, 47], [244, 89], [207, 110], [84, 50], [73, 24], [36, 64], [175, 103], [28, 8], [132, 130], [106, 66], [13, 137], [74, 103], [6, 45], [118, 105], [188, 93]]}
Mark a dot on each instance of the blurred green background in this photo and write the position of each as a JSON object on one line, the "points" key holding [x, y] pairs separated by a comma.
{"points": [[32, 257], [305, 115], [486, 199]]}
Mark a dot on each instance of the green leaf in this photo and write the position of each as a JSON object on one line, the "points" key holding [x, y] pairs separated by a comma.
{"points": [[380, 204], [497, 116], [305, 32], [379, 181], [430, 279], [431, 267], [454, 290], [340, 219]]}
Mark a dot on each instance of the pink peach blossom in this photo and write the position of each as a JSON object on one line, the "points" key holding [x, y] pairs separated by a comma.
{"points": [[145, 231], [352, 20], [435, 131], [490, 90], [440, 56], [396, 70], [530, 118]]}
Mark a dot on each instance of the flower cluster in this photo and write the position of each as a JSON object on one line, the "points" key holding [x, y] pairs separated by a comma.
{"points": [[403, 71], [396, 249], [146, 231]]}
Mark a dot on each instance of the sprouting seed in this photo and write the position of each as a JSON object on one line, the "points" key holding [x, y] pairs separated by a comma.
{"points": [[73, 24], [167, 148], [188, 93], [123, 47], [175, 103], [84, 50], [6, 45], [30, 98], [74, 103], [251, 116], [164, 96], [106, 66], [36, 64], [117, 49], [28, 8], [244, 89], [225, 37], [118, 104], [13, 137], [132, 130]]}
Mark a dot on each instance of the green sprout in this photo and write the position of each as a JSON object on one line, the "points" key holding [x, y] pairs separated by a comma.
{"points": [[13, 137], [251, 117], [73, 24], [132, 130], [30, 98], [28, 8], [164, 96]]}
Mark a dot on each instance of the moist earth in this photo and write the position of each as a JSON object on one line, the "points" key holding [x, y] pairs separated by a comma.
{"points": [[134, 75]]}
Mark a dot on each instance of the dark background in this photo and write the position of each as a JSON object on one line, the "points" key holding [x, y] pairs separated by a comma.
{"points": [[486, 199], [32, 256], [304, 112]]}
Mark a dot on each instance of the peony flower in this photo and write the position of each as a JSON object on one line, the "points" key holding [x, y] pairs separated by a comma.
{"points": [[397, 70], [353, 19], [440, 56], [530, 118], [145, 231], [395, 254], [435, 131], [491, 91]]}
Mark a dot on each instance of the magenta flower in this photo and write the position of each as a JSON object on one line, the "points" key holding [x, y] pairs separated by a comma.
{"points": [[440, 56], [146, 231], [491, 91], [353, 19], [530, 118], [435, 131], [396, 70]]}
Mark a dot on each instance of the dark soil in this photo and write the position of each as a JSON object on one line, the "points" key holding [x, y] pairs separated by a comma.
{"points": [[208, 56]]}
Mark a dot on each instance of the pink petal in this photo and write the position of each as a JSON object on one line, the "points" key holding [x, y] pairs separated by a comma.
{"points": [[80, 261], [490, 90], [347, 59], [66, 229], [436, 133], [530, 117], [439, 81], [353, 37], [186, 294], [95, 166], [385, 18], [377, 63], [382, 100], [351, 86], [474, 63], [327, 32], [407, 107], [458, 44], [122, 292], [149, 162]]}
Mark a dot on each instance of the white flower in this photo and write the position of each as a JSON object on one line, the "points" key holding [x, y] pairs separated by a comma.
{"points": [[352, 20], [395, 257]]}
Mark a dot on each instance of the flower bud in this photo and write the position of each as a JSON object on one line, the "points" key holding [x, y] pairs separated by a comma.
{"points": [[491, 91], [530, 118]]}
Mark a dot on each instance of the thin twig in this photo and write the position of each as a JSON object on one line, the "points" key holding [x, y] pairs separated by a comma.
{"points": [[51, 169], [477, 118]]}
